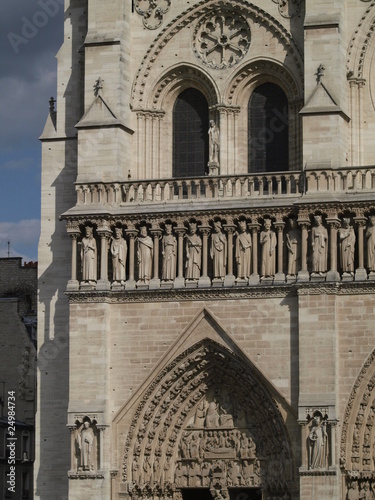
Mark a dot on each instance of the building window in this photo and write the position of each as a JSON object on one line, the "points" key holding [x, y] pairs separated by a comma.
{"points": [[190, 134], [25, 450], [268, 130]]}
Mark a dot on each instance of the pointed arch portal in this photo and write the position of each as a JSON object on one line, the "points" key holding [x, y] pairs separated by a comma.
{"points": [[209, 423]]}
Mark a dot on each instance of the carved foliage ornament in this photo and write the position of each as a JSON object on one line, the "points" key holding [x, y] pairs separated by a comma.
{"points": [[290, 8], [152, 11], [221, 39]]}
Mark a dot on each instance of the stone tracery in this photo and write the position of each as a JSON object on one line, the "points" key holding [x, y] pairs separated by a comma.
{"points": [[221, 39]]}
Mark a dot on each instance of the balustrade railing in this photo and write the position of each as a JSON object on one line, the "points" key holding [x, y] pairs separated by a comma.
{"points": [[295, 184]]}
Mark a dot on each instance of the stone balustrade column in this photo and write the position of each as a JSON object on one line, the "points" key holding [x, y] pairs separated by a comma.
{"points": [[131, 233], [204, 280], [229, 279], [304, 224], [74, 233], [179, 282], [155, 281], [105, 233], [360, 273], [254, 228], [334, 224], [280, 275]]}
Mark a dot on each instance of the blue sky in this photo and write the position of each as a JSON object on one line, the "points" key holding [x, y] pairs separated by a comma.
{"points": [[31, 34]]}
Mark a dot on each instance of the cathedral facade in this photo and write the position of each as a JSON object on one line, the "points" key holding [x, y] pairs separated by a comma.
{"points": [[207, 255]]}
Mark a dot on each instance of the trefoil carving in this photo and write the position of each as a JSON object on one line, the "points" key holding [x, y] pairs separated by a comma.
{"points": [[152, 12]]}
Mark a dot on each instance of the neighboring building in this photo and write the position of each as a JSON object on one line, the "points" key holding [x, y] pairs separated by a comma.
{"points": [[207, 253], [18, 304]]}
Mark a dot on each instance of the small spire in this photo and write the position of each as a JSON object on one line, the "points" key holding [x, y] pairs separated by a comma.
{"points": [[98, 87], [320, 73], [52, 105]]}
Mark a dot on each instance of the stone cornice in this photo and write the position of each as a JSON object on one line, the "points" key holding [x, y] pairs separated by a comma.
{"points": [[234, 293]]}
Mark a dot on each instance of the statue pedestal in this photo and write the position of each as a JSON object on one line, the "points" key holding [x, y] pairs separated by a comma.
{"points": [[213, 168], [103, 285], [360, 274]]}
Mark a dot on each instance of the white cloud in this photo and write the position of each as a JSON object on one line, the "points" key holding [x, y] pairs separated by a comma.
{"points": [[22, 236]]}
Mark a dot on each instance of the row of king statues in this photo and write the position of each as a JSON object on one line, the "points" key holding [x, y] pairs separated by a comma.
{"points": [[241, 245]]}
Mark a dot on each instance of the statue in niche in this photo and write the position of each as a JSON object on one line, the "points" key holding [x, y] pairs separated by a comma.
{"points": [[85, 439], [268, 244], [119, 250], [214, 142], [370, 237], [193, 253], [169, 252], [347, 245], [219, 251], [319, 235], [243, 251], [318, 444], [89, 256], [145, 249], [293, 244]]}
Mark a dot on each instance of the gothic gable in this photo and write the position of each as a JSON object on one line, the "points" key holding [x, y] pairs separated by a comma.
{"points": [[207, 410]]}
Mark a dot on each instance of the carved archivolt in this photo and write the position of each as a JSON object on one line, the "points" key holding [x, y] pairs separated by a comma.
{"points": [[207, 421], [360, 43], [221, 39], [241, 8], [258, 72], [357, 458]]}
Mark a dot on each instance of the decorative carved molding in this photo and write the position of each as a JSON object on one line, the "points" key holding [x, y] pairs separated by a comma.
{"points": [[195, 413], [204, 7], [152, 12], [357, 436], [360, 43], [221, 39], [289, 8]]}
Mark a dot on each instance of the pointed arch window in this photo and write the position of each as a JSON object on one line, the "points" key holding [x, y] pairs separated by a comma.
{"points": [[268, 130], [190, 134]]}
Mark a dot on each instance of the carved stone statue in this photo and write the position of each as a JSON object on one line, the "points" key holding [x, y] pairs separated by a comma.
{"points": [[169, 252], [85, 440], [293, 244], [243, 251], [193, 253], [89, 256], [214, 142], [319, 236], [219, 251], [119, 250], [370, 237], [318, 443], [268, 244], [347, 245], [145, 248]]}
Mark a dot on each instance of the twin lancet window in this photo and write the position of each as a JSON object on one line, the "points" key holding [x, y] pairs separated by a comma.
{"points": [[268, 132]]}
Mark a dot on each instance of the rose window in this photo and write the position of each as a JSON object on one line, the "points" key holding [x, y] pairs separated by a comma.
{"points": [[222, 40]]}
